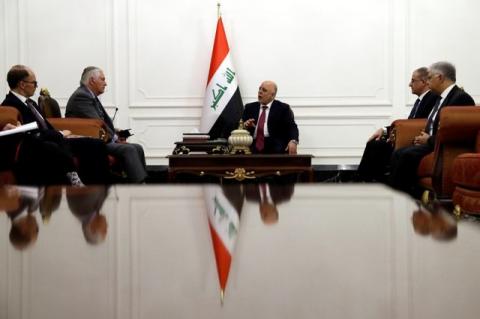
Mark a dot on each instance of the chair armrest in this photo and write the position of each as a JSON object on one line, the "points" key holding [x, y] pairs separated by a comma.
{"points": [[404, 131], [459, 124], [80, 126], [477, 143], [10, 115]]}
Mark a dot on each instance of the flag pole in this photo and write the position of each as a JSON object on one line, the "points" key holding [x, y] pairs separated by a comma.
{"points": [[219, 15]]}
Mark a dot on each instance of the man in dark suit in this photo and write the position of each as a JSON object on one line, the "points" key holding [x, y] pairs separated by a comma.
{"points": [[405, 161], [46, 155], [378, 151], [271, 123], [84, 103]]}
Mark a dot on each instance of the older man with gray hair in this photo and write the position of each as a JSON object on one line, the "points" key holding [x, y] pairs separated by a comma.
{"points": [[84, 103], [404, 163]]}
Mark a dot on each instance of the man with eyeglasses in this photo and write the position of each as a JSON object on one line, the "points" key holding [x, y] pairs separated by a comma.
{"points": [[46, 156], [404, 163], [378, 151]]}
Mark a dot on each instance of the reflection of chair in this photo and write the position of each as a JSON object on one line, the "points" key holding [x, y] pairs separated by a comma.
{"points": [[50, 202], [456, 135], [435, 222], [9, 198]]}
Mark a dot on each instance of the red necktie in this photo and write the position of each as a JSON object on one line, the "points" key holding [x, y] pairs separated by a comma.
{"points": [[260, 140], [263, 190]]}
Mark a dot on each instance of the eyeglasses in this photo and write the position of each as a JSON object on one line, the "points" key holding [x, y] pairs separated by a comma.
{"points": [[416, 80], [35, 83]]}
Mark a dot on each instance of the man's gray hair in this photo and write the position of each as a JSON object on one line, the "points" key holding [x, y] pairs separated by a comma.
{"points": [[447, 69], [88, 73], [423, 73]]}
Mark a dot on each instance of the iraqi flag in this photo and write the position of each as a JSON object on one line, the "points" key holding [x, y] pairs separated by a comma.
{"points": [[222, 107], [224, 221]]}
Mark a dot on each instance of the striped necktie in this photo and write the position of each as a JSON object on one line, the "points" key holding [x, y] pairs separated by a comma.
{"points": [[432, 116], [42, 124]]}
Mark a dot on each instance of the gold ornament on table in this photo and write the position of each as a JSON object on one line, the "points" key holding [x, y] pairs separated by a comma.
{"points": [[240, 140]]}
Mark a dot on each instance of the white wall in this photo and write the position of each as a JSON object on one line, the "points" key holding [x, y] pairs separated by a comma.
{"points": [[343, 65]]}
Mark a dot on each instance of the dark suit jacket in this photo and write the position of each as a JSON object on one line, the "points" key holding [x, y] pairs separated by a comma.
{"points": [[456, 97], [27, 116], [82, 104], [281, 125], [54, 163], [426, 105]]}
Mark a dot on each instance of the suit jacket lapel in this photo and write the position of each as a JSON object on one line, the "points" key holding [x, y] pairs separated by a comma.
{"points": [[448, 98], [271, 115], [104, 116], [25, 111]]}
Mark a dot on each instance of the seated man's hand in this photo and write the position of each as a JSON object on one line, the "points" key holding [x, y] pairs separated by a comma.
{"points": [[421, 139], [249, 123], [121, 140], [8, 126], [376, 135], [291, 148], [66, 133]]}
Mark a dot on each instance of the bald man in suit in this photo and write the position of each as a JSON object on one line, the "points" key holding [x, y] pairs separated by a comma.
{"points": [[271, 123]]}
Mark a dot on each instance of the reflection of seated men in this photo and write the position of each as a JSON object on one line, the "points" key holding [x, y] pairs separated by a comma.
{"points": [[444, 226], [439, 224], [85, 203], [421, 221], [50, 202], [269, 196], [9, 198], [24, 229]]}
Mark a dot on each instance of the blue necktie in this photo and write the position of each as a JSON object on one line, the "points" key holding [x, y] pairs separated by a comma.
{"points": [[414, 111]]}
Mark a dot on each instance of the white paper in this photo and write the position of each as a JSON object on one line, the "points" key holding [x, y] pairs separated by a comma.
{"points": [[20, 129]]}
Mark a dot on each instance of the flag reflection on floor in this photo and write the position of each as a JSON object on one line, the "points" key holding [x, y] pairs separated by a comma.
{"points": [[224, 204]]}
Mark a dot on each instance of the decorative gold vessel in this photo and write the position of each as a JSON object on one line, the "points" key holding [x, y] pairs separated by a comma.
{"points": [[240, 140]]}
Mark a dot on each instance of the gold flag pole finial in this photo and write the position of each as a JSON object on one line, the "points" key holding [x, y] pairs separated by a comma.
{"points": [[219, 14]]}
